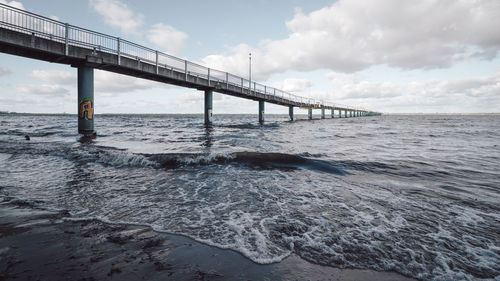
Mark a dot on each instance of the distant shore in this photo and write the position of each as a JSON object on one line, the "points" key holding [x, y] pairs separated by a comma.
{"points": [[41, 245]]}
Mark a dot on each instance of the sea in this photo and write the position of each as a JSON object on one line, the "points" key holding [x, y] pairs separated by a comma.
{"points": [[415, 194]]}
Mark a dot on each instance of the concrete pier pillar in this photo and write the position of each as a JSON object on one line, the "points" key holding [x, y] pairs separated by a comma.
{"points": [[350, 113], [261, 111], [322, 113], [310, 114], [332, 113], [290, 113], [340, 113], [208, 107], [345, 113], [86, 100]]}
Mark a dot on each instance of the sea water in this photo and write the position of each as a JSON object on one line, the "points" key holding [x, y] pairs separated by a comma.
{"points": [[419, 194]]}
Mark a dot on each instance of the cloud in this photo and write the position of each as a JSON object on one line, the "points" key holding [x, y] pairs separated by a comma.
{"points": [[8, 102], [167, 38], [350, 36], [43, 90], [4, 71], [293, 85], [59, 77], [111, 83], [479, 93], [107, 83], [236, 61], [118, 15], [14, 4]]}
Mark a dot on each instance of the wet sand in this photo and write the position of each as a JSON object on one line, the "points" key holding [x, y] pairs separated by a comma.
{"points": [[41, 245]]}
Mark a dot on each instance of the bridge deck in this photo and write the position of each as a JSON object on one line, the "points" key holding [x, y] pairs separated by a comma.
{"points": [[29, 35]]}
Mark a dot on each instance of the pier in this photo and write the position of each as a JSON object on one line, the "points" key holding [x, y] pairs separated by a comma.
{"points": [[34, 36]]}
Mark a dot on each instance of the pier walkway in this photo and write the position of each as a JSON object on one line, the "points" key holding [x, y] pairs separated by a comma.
{"points": [[34, 36]]}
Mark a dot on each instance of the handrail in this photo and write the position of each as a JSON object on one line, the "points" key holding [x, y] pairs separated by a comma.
{"points": [[31, 23]]}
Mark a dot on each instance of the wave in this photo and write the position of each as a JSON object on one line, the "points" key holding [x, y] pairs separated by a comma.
{"points": [[36, 133], [259, 160], [122, 158], [91, 153]]}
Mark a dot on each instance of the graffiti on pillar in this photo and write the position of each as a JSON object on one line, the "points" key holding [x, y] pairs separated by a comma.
{"points": [[86, 109], [209, 115]]}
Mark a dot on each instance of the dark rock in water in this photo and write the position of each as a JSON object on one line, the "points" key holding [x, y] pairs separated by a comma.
{"points": [[27, 137]]}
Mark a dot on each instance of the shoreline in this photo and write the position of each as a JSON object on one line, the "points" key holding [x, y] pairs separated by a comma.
{"points": [[41, 245]]}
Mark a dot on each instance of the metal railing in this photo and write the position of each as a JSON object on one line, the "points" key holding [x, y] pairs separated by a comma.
{"points": [[26, 22]]}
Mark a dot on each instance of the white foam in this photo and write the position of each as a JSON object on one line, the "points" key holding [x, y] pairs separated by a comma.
{"points": [[204, 158], [125, 159]]}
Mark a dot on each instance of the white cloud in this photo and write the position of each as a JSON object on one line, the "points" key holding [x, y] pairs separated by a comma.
{"points": [[54, 76], [109, 83], [43, 90], [167, 38], [349, 36], [459, 95], [118, 15], [15, 4], [236, 61], [105, 82], [293, 85], [4, 71]]}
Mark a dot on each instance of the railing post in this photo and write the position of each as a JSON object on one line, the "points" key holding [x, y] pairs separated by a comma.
{"points": [[118, 52], [186, 70], [66, 40], [227, 80], [156, 62], [208, 77], [265, 90]]}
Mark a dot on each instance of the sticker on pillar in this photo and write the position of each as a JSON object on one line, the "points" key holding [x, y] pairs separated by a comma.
{"points": [[209, 115], [262, 114], [86, 109]]}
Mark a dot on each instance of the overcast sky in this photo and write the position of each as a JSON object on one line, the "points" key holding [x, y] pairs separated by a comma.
{"points": [[387, 55]]}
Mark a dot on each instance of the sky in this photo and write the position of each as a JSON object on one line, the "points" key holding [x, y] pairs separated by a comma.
{"points": [[392, 56]]}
